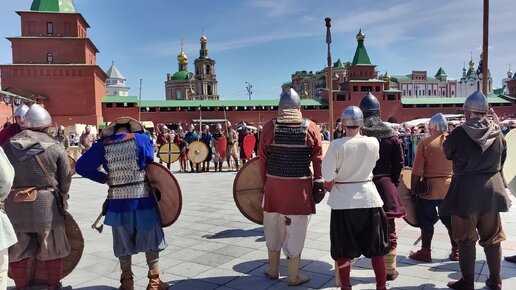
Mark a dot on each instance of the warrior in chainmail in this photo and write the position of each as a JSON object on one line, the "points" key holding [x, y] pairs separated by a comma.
{"points": [[62, 138], [124, 152], [15, 128], [386, 172], [36, 203], [232, 148], [288, 144], [217, 160], [7, 234]]}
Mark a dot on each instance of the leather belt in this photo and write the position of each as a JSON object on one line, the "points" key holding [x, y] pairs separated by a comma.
{"points": [[349, 182]]}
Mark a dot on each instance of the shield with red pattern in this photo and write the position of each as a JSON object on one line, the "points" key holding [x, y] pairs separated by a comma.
{"points": [[222, 145], [249, 142]]}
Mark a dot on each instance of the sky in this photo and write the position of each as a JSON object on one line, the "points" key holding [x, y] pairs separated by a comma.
{"points": [[263, 42]]}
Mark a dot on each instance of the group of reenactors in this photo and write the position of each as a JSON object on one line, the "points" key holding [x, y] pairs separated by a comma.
{"points": [[361, 170], [227, 144]]}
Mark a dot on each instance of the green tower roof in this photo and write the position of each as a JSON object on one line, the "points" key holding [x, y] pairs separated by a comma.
{"points": [[361, 56], [338, 64], [441, 73], [59, 6]]}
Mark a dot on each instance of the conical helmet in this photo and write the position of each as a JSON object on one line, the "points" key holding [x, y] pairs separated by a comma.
{"points": [[352, 116], [476, 102], [438, 123], [370, 105], [37, 118], [21, 111], [289, 100]]}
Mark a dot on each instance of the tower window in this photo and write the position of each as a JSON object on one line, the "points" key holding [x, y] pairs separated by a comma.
{"points": [[50, 57], [50, 28], [210, 92], [208, 69]]}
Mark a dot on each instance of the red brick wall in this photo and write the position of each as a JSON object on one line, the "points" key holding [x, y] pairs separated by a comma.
{"points": [[64, 24], [64, 50], [74, 93]]}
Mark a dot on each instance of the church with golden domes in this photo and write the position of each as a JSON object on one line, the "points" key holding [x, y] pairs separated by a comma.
{"points": [[198, 85]]}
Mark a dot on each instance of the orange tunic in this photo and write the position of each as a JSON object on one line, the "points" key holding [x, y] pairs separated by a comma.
{"points": [[431, 163], [290, 196]]}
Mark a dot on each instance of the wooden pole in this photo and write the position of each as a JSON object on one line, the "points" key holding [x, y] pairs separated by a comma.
{"points": [[485, 50], [140, 102], [329, 78]]}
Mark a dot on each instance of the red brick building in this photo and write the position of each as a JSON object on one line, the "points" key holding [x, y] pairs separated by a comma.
{"points": [[54, 62]]}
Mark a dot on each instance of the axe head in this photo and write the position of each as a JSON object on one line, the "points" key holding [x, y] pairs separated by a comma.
{"points": [[99, 229]]}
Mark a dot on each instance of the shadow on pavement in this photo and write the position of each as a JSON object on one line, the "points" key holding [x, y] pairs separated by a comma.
{"points": [[237, 233]]}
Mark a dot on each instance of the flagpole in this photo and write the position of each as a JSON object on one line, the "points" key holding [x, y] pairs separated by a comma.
{"points": [[329, 78], [485, 50]]}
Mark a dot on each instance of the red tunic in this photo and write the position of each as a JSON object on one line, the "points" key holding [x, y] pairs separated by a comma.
{"points": [[7, 133], [289, 196]]}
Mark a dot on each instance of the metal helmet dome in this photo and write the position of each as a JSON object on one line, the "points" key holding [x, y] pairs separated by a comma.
{"points": [[352, 116], [289, 100], [369, 105], [218, 127], [37, 118], [21, 111], [476, 102], [438, 123]]}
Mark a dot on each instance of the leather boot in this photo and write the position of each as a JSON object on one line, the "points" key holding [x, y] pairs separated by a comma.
{"points": [[390, 265], [423, 255], [220, 166], [208, 167], [216, 166], [154, 282], [54, 269], [18, 272], [494, 262], [274, 260], [294, 278], [126, 281], [467, 254], [454, 255]]}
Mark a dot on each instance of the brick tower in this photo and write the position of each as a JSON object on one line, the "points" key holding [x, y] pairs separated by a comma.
{"points": [[54, 61]]}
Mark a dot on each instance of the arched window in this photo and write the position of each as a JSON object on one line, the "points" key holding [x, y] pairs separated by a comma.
{"points": [[50, 57], [210, 92], [208, 70]]}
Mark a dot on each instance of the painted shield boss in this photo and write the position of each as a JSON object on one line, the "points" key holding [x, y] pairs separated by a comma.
{"points": [[248, 191], [197, 151], [407, 200], [167, 192]]}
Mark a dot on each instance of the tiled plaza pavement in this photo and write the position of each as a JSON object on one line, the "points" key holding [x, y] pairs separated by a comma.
{"points": [[212, 246]]}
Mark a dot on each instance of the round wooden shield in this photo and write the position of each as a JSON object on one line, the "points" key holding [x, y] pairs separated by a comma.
{"points": [[249, 142], [407, 200], [248, 191], [197, 151], [76, 241], [509, 166], [167, 192], [169, 153], [222, 146], [72, 165]]}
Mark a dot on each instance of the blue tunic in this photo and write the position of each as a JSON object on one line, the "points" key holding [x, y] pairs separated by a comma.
{"points": [[135, 222]]}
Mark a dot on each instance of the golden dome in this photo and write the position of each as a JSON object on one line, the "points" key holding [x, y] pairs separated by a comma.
{"points": [[203, 38], [182, 57], [360, 35]]}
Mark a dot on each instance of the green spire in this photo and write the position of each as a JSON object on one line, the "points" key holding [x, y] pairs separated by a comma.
{"points": [[440, 73], [361, 56], [338, 64], [59, 6]]}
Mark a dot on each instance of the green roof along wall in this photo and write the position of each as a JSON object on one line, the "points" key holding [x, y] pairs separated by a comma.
{"points": [[203, 103], [59, 6], [446, 101]]}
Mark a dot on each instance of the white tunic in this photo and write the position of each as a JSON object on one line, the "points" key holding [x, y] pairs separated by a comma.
{"points": [[7, 234], [352, 160]]}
